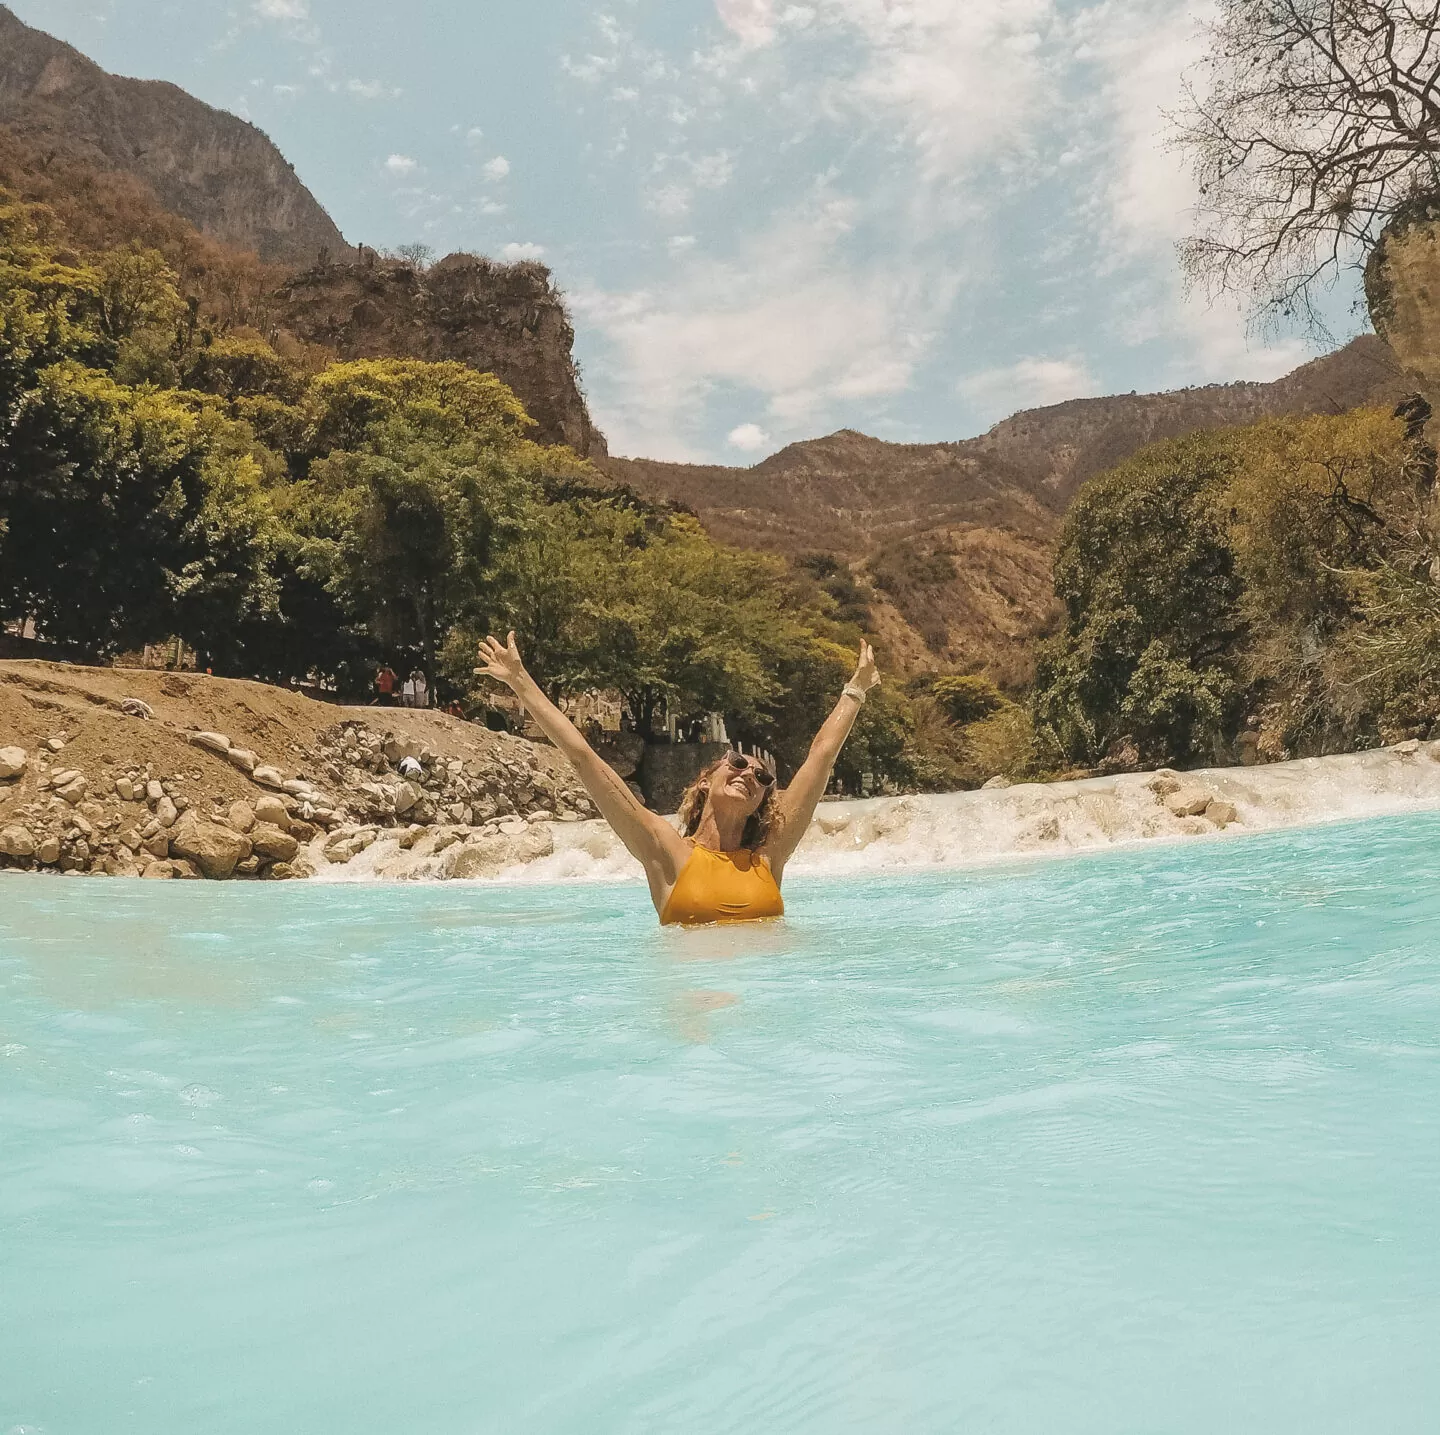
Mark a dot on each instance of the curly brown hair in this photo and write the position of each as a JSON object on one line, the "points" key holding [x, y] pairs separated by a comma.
{"points": [[760, 826]]}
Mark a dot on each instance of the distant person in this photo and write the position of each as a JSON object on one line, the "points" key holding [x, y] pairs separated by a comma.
{"points": [[737, 828], [453, 709], [385, 684], [420, 689]]}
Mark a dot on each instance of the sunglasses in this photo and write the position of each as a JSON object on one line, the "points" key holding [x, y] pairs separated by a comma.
{"points": [[741, 763]]}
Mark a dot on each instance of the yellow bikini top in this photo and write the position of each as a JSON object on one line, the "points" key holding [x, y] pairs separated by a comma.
{"points": [[723, 887]]}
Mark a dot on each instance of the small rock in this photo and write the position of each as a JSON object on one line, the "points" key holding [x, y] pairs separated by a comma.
{"points": [[244, 759], [1189, 802], [187, 870], [16, 841], [995, 783], [73, 791], [268, 777], [407, 795], [240, 816], [130, 838], [211, 741], [1221, 813], [48, 851], [410, 836], [166, 813], [1406, 749], [153, 791], [124, 789], [12, 762], [157, 845], [63, 775], [303, 832], [157, 871], [134, 707], [55, 744], [249, 867]]}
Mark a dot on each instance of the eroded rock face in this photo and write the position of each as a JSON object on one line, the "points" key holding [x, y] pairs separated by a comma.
{"points": [[1402, 290], [217, 171]]}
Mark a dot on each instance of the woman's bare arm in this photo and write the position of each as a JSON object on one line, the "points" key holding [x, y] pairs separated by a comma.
{"points": [[651, 840], [798, 801]]}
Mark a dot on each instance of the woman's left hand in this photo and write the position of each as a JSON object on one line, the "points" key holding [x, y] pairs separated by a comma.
{"points": [[866, 673]]}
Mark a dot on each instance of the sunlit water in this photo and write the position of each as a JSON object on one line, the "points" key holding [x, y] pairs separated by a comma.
{"points": [[1140, 1142]]}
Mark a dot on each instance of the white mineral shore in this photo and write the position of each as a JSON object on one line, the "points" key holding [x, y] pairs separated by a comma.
{"points": [[955, 829]]}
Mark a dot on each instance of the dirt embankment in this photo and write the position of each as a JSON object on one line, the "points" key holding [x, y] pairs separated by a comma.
{"points": [[128, 772]]}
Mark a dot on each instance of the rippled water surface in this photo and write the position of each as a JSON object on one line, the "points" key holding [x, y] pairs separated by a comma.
{"points": [[1144, 1142]]}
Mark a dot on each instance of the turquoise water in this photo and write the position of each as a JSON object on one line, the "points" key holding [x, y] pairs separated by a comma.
{"points": [[1144, 1142]]}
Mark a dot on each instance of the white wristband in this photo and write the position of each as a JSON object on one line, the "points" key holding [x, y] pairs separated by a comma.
{"points": [[858, 693]]}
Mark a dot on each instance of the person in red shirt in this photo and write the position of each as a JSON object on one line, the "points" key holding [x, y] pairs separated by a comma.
{"points": [[385, 681]]}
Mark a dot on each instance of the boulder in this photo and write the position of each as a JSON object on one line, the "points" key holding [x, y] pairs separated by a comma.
{"points": [[396, 749], [272, 810], [244, 759], [157, 845], [153, 791], [250, 867], [1222, 814], [62, 776], [214, 849], [166, 813], [273, 845], [1188, 802], [407, 795], [1163, 783], [240, 816], [157, 871], [48, 852], [211, 741], [124, 789], [268, 777], [16, 841], [12, 762], [303, 832], [130, 839]]}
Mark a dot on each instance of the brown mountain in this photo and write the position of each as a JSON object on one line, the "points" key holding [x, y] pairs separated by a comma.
{"points": [[129, 160], [957, 538], [207, 166]]}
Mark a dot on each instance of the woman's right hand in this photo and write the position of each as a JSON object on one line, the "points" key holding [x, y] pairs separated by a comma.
{"points": [[501, 662]]}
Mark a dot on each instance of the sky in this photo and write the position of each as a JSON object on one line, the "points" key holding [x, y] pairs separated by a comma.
{"points": [[769, 220]]}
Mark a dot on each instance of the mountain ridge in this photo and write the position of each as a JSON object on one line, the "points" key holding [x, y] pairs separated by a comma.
{"points": [[208, 166]]}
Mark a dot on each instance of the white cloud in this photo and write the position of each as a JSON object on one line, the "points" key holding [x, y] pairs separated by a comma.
{"points": [[752, 22], [679, 244], [713, 171], [1031, 383], [512, 253], [372, 90], [748, 438], [787, 319], [282, 9], [474, 135], [496, 169], [400, 164]]}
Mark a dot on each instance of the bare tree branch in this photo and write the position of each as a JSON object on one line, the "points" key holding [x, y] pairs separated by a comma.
{"points": [[1311, 122]]}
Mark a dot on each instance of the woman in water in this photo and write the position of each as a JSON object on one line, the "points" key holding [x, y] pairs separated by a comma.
{"points": [[737, 828]]}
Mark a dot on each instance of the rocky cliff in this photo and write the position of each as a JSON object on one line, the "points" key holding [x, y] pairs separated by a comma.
{"points": [[503, 318], [209, 167], [956, 538]]}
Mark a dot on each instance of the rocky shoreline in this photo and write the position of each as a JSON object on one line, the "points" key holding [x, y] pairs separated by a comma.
{"points": [[117, 787]]}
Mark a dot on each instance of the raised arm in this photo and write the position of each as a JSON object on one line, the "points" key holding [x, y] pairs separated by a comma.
{"points": [[797, 803], [650, 839]]}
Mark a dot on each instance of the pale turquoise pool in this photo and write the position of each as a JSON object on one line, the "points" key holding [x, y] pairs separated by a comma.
{"points": [[1147, 1142]]}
